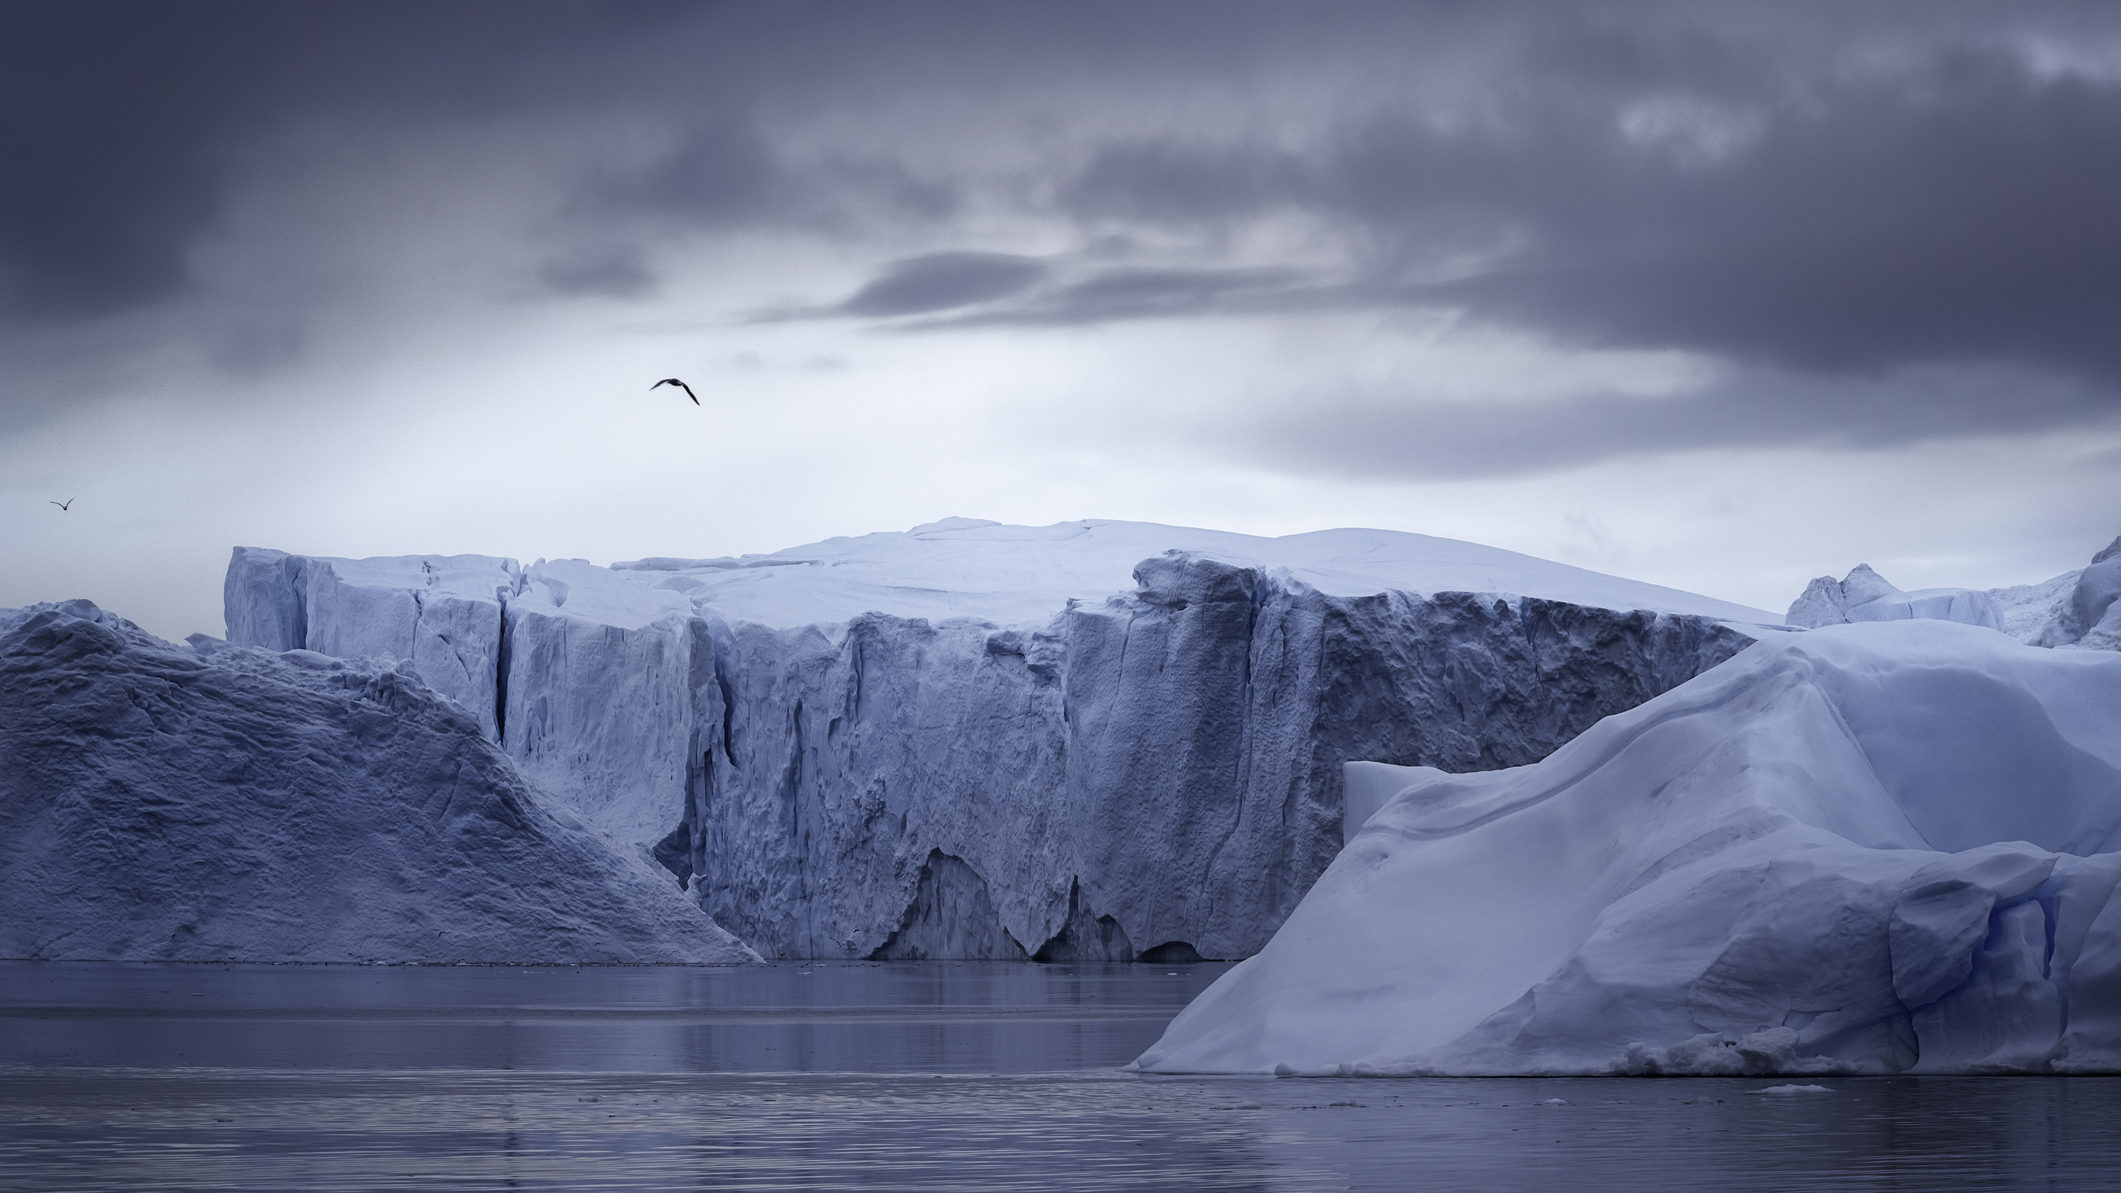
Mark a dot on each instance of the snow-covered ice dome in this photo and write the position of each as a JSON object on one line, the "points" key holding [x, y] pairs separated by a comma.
{"points": [[1880, 847], [1019, 575]]}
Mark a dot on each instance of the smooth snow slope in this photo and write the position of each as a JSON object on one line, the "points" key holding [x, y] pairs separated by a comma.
{"points": [[973, 740], [1020, 575], [1877, 848], [227, 804]]}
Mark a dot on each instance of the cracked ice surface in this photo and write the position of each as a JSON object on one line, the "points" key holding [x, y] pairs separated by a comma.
{"points": [[1090, 740], [221, 803], [1879, 847]]}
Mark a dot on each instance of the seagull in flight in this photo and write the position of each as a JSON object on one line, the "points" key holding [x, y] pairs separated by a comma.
{"points": [[681, 385], [63, 505]]}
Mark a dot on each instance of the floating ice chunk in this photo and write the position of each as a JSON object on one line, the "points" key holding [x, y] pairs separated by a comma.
{"points": [[231, 804], [1870, 848]]}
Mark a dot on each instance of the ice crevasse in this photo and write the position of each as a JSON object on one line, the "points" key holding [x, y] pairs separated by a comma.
{"points": [[1877, 847]]}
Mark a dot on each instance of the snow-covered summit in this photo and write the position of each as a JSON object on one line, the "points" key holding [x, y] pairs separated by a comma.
{"points": [[1019, 575], [1877, 847]]}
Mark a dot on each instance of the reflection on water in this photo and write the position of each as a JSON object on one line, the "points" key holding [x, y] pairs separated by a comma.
{"points": [[951, 1017], [930, 1076]]}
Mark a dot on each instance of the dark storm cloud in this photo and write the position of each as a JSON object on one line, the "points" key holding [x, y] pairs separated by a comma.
{"points": [[1152, 292], [256, 347], [599, 274], [1958, 207], [107, 124], [725, 175], [1825, 199], [124, 123], [952, 290], [1405, 437], [1146, 292], [943, 281], [1963, 214]]}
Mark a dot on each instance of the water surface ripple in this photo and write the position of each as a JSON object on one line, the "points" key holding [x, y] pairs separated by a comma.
{"points": [[902, 1076]]}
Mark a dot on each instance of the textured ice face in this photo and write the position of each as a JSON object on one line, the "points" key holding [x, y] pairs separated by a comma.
{"points": [[2091, 613], [441, 613], [997, 742], [231, 804], [1877, 847]]}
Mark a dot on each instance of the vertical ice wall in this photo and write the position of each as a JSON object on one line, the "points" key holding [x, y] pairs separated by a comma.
{"points": [[441, 613], [597, 696], [1158, 772], [1154, 774]]}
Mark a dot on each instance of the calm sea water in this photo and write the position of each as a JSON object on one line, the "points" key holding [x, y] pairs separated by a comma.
{"points": [[901, 1076]]}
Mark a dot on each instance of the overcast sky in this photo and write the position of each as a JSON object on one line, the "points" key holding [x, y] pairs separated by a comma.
{"points": [[1715, 296]]}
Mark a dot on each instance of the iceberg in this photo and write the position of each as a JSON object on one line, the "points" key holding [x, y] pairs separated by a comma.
{"points": [[1864, 595], [2091, 616], [1880, 847], [2073, 609], [1093, 740], [221, 803]]}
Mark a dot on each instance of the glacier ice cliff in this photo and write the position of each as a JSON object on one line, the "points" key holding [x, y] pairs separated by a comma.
{"points": [[1878, 847], [218, 803], [974, 740], [2073, 609]]}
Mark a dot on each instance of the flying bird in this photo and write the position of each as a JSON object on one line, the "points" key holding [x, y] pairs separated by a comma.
{"points": [[681, 385], [68, 503]]}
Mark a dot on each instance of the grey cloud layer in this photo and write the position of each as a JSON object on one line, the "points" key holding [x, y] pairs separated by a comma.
{"points": [[1390, 437], [1957, 210], [1829, 199]]}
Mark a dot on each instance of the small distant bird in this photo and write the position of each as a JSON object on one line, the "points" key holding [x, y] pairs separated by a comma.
{"points": [[67, 504], [681, 385]]}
